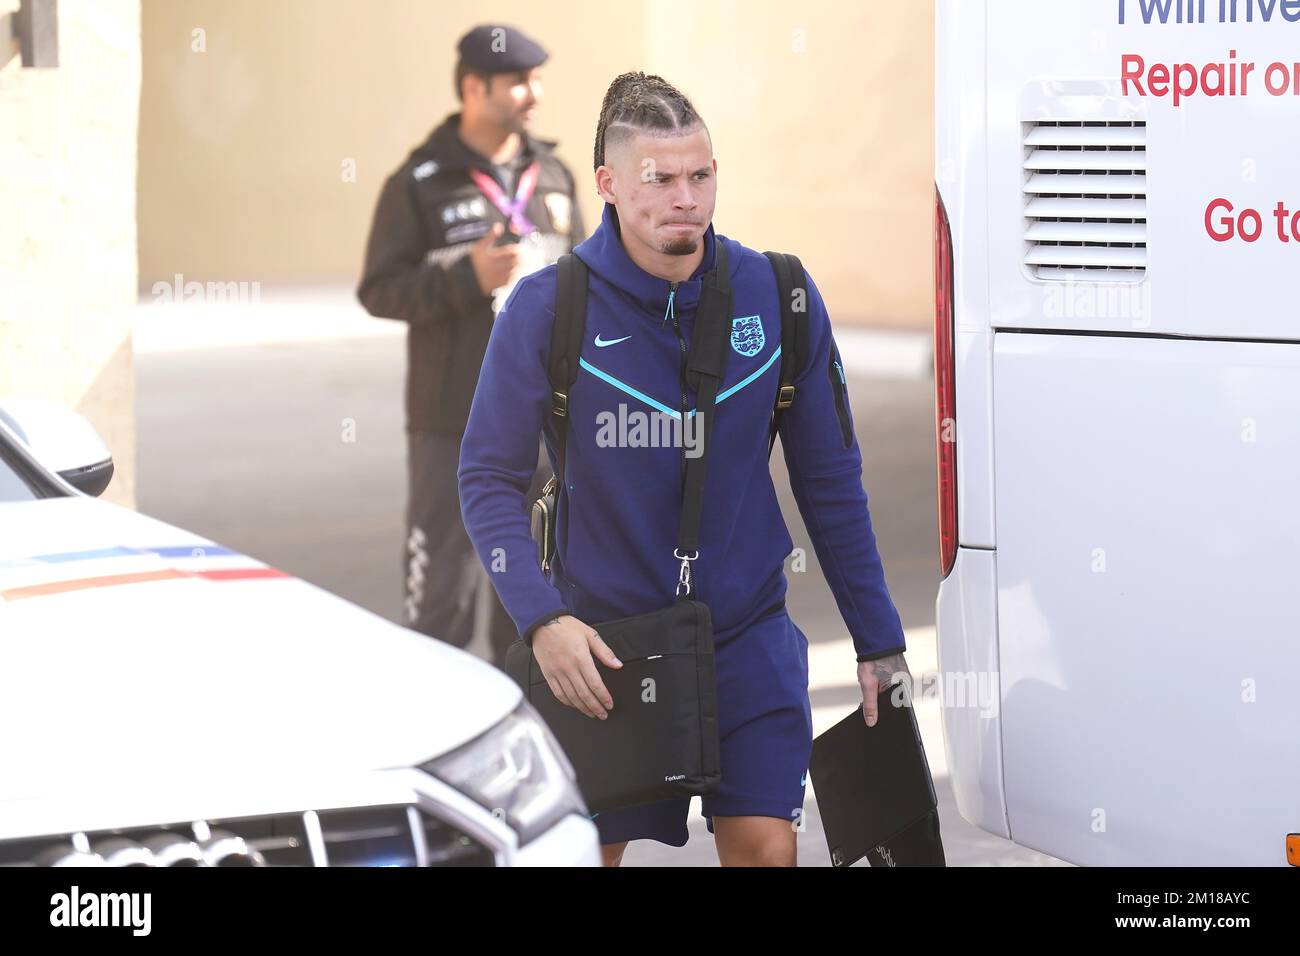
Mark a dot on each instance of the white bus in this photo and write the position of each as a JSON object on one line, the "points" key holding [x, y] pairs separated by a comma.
{"points": [[1118, 405]]}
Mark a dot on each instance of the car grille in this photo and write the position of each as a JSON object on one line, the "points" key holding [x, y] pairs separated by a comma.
{"points": [[359, 836]]}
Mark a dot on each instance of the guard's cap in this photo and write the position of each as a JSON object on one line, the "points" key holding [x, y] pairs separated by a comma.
{"points": [[494, 48]]}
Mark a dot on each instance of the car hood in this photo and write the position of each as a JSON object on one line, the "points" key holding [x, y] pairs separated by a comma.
{"points": [[130, 649]]}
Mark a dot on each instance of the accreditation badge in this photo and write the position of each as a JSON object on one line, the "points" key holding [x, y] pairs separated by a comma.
{"points": [[560, 207], [534, 254]]}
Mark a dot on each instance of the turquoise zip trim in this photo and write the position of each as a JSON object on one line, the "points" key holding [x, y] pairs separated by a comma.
{"points": [[624, 387], [750, 377], [660, 406], [669, 311]]}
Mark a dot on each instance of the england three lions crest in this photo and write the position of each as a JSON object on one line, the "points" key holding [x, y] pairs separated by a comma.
{"points": [[747, 336]]}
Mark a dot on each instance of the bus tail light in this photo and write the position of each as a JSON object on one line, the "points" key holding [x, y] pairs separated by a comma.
{"points": [[945, 400]]}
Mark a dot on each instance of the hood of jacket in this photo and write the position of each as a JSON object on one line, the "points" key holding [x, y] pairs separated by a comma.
{"points": [[605, 256]]}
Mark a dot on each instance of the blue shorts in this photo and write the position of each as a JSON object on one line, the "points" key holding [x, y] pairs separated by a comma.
{"points": [[765, 733]]}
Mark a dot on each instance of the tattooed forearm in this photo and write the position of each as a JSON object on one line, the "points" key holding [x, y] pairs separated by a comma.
{"points": [[885, 668]]}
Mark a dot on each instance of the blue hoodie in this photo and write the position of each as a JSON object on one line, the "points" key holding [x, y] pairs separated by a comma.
{"points": [[617, 530]]}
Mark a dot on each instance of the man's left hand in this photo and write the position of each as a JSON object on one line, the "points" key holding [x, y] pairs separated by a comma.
{"points": [[876, 676]]}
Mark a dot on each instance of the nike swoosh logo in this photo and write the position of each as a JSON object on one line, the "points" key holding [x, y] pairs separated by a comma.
{"points": [[601, 343]]}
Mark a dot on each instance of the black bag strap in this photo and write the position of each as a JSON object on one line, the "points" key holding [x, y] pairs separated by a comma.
{"points": [[566, 345], [704, 371], [791, 282]]}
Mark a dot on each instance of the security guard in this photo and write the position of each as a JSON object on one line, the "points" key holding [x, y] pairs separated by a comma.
{"points": [[479, 204]]}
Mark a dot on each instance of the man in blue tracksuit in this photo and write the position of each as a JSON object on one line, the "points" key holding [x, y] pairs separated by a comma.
{"points": [[618, 525]]}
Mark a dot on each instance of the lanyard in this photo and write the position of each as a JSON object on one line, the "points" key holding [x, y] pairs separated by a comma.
{"points": [[512, 209]]}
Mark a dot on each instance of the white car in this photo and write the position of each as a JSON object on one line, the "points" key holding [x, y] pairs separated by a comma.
{"points": [[167, 701], [1118, 395]]}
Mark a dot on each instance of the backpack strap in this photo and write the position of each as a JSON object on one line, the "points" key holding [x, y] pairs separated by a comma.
{"points": [[705, 368], [790, 283], [566, 345]]}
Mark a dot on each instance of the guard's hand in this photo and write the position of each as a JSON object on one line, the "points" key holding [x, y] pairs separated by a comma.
{"points": [[564, 648], [493, 264], [876, 677]]}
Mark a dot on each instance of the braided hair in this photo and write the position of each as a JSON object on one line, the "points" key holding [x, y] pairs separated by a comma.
{"points": [[641, 103]]}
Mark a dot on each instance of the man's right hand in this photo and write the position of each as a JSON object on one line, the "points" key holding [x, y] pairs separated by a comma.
{"points": [[493, 264], [566, 649]]}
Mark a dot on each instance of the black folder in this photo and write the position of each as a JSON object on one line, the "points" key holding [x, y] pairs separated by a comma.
{"points": [[874, 791]]}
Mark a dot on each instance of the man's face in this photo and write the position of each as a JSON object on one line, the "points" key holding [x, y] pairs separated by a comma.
{"points": [[511, 99], [664, 188]]}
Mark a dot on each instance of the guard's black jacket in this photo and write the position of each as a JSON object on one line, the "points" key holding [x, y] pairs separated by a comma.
{"points": [[418, 268]]}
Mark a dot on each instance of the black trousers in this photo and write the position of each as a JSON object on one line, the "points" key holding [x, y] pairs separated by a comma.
{"points": [[442, 572]]}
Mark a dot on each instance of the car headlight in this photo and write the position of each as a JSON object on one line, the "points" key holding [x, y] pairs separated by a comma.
{"points": [[516, 770]]}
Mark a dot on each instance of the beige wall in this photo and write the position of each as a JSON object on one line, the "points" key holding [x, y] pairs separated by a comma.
{"points": [[822, 123], [67, 230], [820, 114]]}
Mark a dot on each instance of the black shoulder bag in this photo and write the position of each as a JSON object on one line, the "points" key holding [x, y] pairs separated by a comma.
{"points": [[661, 737]]}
